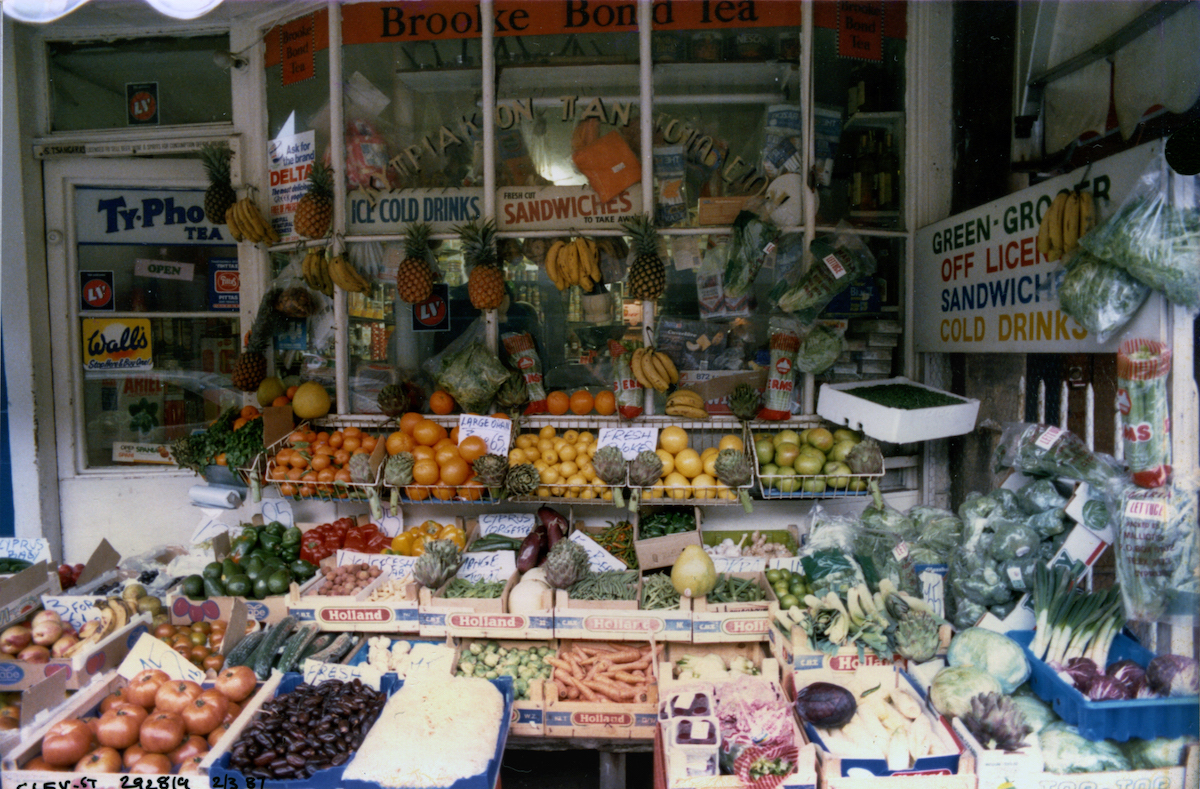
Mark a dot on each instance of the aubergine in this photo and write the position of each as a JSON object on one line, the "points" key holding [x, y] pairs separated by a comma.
{"points": [[532, 550], [825, 705], [555, 524]]}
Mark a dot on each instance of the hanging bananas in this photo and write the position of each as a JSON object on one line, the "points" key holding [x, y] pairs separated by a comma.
{"points": [[687, 404], [346, 276], [573, 263], [1070, 216], [316, 271], [246, 223], [653, 369]]}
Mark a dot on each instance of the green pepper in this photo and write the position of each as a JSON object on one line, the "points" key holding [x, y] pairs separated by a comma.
{"points": [[289, 553], [274, 527], [271, 541], [302, 570], [292, 536]]}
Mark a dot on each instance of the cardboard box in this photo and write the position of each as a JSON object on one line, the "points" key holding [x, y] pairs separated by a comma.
{"points": [[838, 404], [603, 720], [185, 611], [528, 715], [714, 622], [86, 703], [39, 703], [482, 618], [357, 612], [715, 386], [21, 594], [663, 551], [754, 651], [620, 620], [999, 770]]}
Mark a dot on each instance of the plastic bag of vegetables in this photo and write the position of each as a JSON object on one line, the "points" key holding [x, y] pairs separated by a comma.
{"points": [[820, 348], [753, 241], [468, 370], [1100, 297], [1048, 450], [1157, 555], [836, 262], [1155, 234], [1067, 751]]}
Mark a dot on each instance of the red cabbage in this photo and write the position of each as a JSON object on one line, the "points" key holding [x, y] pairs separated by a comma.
{"points": [[1106, 688], [1129, 673], [1081, 672], [1173, 675], [825, 705]]}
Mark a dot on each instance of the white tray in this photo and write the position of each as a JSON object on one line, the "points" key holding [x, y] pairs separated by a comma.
{"points": [[837, 403]]}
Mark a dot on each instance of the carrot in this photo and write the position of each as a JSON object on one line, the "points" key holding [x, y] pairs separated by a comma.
{"points": [[561, 687], [631, 666], [624, 655], [572, 693], [566, 666], [584, 690], [615, 691], [625, 676]]}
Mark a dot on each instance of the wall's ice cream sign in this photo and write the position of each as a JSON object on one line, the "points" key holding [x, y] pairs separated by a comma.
{"points": [[116, 344]]}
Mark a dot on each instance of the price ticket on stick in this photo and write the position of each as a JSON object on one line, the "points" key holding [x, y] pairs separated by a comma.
{"points": [[395, 567], [508, 524], [32, 551], [601, 560], [739, 564], [630, 440], [150, 652], [74, 609], [496, 433], [317, 671], [488, 566]]}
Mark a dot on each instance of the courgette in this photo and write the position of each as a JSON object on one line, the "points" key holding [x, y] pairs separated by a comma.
{"points": [[338, 646], [295, 646], [322, 641], [264, 656], [243, 650]]}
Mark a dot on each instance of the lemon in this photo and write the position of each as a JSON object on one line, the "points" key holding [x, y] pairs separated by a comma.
{"points": [[677, 486], [674, 439], [730, 441], [567, 452], [547, 432], [567, 468], [311, 401], [688, 463], [710, 452], [668, 461], [550, 456], [571, 436], [585, 437], [705, 486], [710, 465], [516, 456], [549, 475]]}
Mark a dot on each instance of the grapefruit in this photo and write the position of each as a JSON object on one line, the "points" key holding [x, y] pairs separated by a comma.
{"points": [[311, 401]]}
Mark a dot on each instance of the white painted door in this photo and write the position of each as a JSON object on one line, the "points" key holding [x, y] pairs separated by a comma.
{"points": [[143, 294]]}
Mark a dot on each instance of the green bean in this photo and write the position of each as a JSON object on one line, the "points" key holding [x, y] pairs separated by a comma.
{"points": [[460, 587], [658, 592], [613, 585]]}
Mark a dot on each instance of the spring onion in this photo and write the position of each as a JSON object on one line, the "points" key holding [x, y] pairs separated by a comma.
{"points": [[1072, 622]]}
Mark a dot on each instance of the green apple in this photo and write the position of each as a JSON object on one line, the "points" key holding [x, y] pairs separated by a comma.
{"points": [[786, 454], [808, 465], [858, 484], [789, 436], [841, 449], [837, 474], [820, 438], [814, 485], [764, 449], [846, 434], [788, 481], [769, 474]]}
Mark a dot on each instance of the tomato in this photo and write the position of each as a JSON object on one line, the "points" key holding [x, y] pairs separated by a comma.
{"points": [[118, 728], [174, 696], [102, 760], [144, 686], [162, 733], [66, 742], [191, 747], [205, 712], [236, 683], [132, 754], [152, 763]]}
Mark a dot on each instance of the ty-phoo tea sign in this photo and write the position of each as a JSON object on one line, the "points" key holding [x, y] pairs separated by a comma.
{"points": [[144, 216], [985, 288]]}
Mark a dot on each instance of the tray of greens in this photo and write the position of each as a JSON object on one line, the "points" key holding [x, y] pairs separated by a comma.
{"points": [[897, 410]]}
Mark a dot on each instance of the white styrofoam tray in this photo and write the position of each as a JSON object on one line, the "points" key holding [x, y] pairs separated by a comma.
{"points": [[837, 403]]}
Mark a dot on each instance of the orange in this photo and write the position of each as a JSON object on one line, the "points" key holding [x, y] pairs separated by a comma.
{"points": [[336, 438], [422, 452], [426, 471], [445, 442], [239, 423], [501, 415], [287, 489], [444, 453], [282, 400], [471, 490], [409, 420], [440, 402], [291, 392], [298, 460], [558, 402], [248, 411], [606, 402], [322, 437], [351, 431], [320, 462], [416, 493], [341, 457], [343, 475], [471, 448], [351, 444], [454, 434], [455, 471], [582, 402], [222, 460], [427, 432], [443, 492], [398, 442]]}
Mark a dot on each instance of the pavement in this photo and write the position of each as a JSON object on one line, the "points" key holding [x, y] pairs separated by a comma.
{"points": [[570, 769]]}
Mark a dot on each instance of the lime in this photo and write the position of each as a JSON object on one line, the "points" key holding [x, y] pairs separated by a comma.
{"points": [[796, 587], [788, 600], [780, 589], [773, 575]]}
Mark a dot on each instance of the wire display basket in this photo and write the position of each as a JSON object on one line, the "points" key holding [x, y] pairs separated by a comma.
{"points": [[561, 448], [316, 470], [806, 472], [468, 490], [689, 475]]}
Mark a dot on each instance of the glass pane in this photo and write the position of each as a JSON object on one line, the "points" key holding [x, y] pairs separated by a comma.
{"points": [[157, 317], [303, 341], [138, 82]]}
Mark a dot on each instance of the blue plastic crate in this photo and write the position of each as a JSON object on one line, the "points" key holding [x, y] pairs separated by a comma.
{"points": [[1112, 720]]}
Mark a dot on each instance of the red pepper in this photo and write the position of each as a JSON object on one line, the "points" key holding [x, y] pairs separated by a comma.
{"points": [[377, 542], [356, 540], [313, 551]]}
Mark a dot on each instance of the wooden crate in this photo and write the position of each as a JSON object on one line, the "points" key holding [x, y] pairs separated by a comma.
{"points": [[620, 619], [528, 715], [714, 622], [604, 720], [354, 613], [482, 618], [80, 668]]}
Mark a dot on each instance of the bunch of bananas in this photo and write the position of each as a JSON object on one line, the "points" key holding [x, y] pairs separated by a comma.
{"points": [[316, 271], [573, 263], [686, 403], [246, 223], [1070, 216], [346, 276], [653, 369], [115, 613]]}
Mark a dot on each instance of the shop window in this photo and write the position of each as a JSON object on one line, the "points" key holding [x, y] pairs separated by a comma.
{"points": [[143, 82]]}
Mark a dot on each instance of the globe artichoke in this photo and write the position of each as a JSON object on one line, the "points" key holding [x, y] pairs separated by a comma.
{"points": [[566, 563], [644, 471], [397, 472], [611, 468], [734, 469], [743, 401], [523, 479], [996, 722], [437, 564], [491, 470]]}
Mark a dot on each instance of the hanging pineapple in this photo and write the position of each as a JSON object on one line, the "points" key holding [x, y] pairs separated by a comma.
{"points": [[647, 276], [251, 366], [219, 196], [314, 212], [414, 278], [485, 283]]}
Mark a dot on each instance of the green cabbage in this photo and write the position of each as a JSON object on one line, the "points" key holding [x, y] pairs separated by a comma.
{"points": [[997, 654], [1156, 753], [955, 686], [1066, 751], [1038, 713]]}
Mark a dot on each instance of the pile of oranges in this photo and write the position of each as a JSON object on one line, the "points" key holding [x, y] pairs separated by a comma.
{"points": [[581, 402], [442, 466], [317, 464]]}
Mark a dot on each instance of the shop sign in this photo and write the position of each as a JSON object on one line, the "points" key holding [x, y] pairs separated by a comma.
{"points": [[116, 344], [297, 50], [141, 103], [394, 210], [144, 216], [163, 269], [563, 208], [432, 20], [986, 288], [433, 314], [132, 452], [291, 158], [860, 30], [224, 284], [96, 291]]}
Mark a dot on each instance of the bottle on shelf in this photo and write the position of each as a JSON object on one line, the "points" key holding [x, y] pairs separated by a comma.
{"points": [[862, 182], [888, 176]]}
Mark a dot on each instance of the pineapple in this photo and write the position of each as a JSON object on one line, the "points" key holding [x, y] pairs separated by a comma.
{"points": [[414, 279], [647, 276], [220, 195], [251, 366], [314, 212], [485, 283]]}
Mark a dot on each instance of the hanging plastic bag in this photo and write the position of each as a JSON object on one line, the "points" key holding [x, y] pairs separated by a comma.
{"points": [[1157, 554], [753, 242], [781, 378], [820, 349], [1155, 234], [609, 164], [836, 262], [1100, 297], [625, 383], [1051, 451], [525, 358], [468, 370], [1142, 370]]}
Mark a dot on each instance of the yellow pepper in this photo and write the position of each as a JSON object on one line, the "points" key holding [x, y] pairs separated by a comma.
{"points": [[402, 543], [431, 528], [453, 533], [418, 544]]}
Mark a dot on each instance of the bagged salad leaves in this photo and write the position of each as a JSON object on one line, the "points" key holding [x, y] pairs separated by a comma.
{"points": [[1155, 234], [753, 241], [468, 370], [1065, 750], [1048, 450], [1100, 297], [820, 348], [836, 262], [1040, 495], [1157, 555], [885, 536]]}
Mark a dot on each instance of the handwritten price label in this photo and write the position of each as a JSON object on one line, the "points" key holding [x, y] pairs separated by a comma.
{"points": [[75, 609], [496, 433], [739, 564], [278, 510], [791, 563], [391, 525], [602, 561], [395, 567], [509, 524], [32, 551], [150, 652], [207, 529], [630, 440], [434, 660], [488, 566], [316, 672]]}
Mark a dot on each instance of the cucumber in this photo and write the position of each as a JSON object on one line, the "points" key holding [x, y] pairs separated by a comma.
{"points": [[264, 656], [317, 644], [295, 646], [244, 649], [336, 647]]}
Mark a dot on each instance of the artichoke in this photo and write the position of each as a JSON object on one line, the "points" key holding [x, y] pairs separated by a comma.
{"points": [[513, 393], [996, 722], [523, 479], [734, 469], [566, 563], [397, 472], [437, 564], [611, 468], [915, 636], [743, 401], [360, 469], [392, 400], [491, 470], [644, 471], [866, 457]]}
